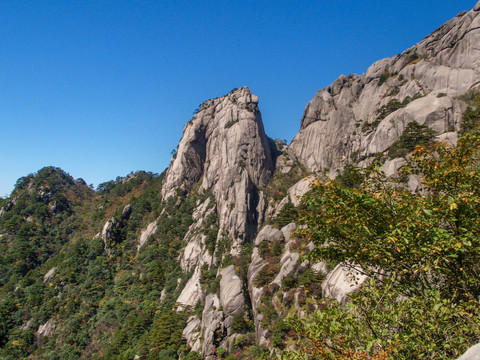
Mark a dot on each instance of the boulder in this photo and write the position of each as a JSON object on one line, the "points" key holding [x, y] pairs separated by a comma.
{"points": [[49, 275], [149, 231], [232, 298], [345, 279], [192, 292], [474, 352], [268, 233]]}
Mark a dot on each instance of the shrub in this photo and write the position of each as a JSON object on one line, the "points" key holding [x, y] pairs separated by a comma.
{"points": [[267, 274], [384, 77], [413, 136], [471, 116], [287, 215]]}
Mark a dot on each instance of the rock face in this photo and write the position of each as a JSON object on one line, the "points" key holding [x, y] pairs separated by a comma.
{"points": [[112, 226], [46, 329], [356, 116], [288, 265], [474, 352], [225, 148], [149, 231], [341, 282], [225, 155], [223, 152], [49, 275]]}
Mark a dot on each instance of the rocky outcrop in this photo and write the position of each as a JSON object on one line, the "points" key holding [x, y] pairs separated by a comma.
{"points": [[360, 115], [345, 279], [49, 275], [224, 157], [46, 329], [149, 231], [288, 265], [474, 352], [224, 147], [232, 298], [212, 326], [191, 333], [112, 226], [192, 292], [108, 233]]}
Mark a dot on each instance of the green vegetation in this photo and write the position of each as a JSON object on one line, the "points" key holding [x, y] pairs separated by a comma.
{"points": [[350, 177], [230, 123], [471, 117], [278, 186], [395, 104], [414, 135], [384, 77], [387, 109], [420, 252], [101, 305], [287, 215]]}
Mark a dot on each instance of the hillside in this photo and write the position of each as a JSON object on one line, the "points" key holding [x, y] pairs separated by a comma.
{"points": [[219, 256]]}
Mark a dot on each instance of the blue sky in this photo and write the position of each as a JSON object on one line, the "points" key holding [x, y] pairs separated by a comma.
{"points": [[103, 88]]}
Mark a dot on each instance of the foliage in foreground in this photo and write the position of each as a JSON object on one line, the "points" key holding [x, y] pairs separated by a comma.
{"points": [[422, 249]]}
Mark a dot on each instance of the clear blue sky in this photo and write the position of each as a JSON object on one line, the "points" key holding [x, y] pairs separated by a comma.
{"points": [[103, 88]]}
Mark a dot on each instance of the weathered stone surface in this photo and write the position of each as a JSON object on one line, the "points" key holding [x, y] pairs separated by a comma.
{"points": [[224, 146], [27, 325], [474, 352], [212, 319], [191, 333], [256, 265], [441, 67], [192, 292], [49, 275], [195, 252], [288, 266], [149, 231], [391, 167], [287, 231], [232, 298], [46, 329], [451, 138], [127, 211], [108, 233], [297, 191], [268, 233], [341, 282], [320, 267]]}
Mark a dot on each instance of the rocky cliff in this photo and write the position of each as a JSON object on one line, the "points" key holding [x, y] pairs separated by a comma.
{"points": [[224, 149], [360, 115], [224, 152]]}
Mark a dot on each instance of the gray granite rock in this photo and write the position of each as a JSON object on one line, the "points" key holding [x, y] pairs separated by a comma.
{"points": [[441, 67], [225, 147], [474, 352]]}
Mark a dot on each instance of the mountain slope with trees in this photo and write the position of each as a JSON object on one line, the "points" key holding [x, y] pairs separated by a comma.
{"points": [[357, 241]]}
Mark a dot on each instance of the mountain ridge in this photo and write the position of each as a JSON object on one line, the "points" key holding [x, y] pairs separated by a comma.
{"points": [[204, 257]]}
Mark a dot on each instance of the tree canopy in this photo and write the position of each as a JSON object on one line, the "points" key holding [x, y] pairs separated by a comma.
{"points": [[421, 250]]}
